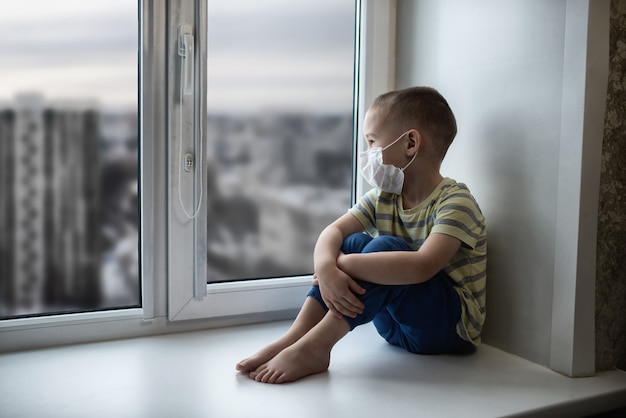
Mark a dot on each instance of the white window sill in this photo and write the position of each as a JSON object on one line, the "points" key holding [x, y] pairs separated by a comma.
{"points": [[192, 374]]}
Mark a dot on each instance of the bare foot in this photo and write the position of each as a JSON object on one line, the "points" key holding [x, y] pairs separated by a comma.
{"points": [[309, 316], [260, 357], [293, 363]]}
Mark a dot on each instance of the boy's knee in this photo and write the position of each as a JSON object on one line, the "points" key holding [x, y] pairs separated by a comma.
{"points": [[315, 293], [387, 243], [355, 243]]}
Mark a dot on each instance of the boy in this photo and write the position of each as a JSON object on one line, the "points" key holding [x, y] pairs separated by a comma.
{"points": [[419, 270]]}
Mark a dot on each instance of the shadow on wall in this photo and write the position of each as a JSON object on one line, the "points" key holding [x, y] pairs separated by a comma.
{"points": [[520, 226]]}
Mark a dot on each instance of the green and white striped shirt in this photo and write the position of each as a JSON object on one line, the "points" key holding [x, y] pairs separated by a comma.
{"points": [[450, 209]]}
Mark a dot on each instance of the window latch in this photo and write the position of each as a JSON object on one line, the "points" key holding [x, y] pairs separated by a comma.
{"points": [[186, 53]]}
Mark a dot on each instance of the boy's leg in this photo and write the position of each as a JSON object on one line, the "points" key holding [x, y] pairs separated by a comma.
{"points": [[377, 296], [422, 318], [355, 243], [305, 348], [308, 355], [310, 314]]}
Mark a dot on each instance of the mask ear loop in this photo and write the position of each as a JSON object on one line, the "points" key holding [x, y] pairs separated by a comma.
{"points": [[397, 139], [410, 162]]}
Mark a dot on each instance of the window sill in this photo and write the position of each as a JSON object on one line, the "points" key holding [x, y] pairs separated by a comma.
{"points": [[385, 381], [45, 332]]}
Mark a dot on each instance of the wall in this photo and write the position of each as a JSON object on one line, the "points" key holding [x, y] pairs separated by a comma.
{"points": [[500, 65], [611, 250]]}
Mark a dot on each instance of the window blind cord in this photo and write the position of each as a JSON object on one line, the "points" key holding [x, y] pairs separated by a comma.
{"points": [[180, 147]]}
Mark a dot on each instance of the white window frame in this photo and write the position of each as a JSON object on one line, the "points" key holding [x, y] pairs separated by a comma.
{"points": [[189, 296], [33, 332]]}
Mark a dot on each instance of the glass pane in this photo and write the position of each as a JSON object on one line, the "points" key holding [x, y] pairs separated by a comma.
{"points": [[68, 156], [279, 128]]}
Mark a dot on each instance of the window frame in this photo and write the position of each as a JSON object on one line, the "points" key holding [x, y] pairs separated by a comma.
{"points": [[42, 331], [189, 296]]}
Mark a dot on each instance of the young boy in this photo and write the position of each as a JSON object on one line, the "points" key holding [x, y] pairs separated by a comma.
{"points": [[419, 270]]}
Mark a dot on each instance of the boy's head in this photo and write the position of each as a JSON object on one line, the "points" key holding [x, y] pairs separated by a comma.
{"points": [[421, 108]]}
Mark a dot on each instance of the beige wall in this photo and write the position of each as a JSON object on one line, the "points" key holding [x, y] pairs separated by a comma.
{"points": [[527, 82], [500, 65]]}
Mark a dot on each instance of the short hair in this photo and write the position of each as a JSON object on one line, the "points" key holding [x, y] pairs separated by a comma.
{"points": [[422, 108]]}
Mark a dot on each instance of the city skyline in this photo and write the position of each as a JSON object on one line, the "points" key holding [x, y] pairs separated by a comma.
{"points": [[303, 171]]}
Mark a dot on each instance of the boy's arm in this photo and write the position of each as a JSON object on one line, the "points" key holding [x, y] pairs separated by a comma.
{"points": [[337, 288], [402, 267]]}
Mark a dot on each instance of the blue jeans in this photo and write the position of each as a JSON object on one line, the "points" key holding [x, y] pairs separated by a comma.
{"points": [[420, 318]]}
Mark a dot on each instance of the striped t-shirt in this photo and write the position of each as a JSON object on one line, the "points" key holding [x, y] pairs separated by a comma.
{"points": [[450, 209]]}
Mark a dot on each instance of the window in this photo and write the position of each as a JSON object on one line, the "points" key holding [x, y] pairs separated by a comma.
{"points": [[278, 131], [176, 281], [68, 157], [277, 166]]}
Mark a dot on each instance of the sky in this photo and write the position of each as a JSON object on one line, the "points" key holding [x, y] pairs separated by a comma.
{"points": [[262, 54]]}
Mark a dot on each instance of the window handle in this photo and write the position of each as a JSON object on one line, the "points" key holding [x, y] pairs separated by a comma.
{"points": [[186, 53]]}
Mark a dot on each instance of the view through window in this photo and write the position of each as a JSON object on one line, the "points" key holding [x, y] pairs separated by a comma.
{"points": [[68, 156], [279, 129]]}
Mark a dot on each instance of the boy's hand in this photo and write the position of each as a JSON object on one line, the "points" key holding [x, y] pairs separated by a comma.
{"points": [[339, 293]]}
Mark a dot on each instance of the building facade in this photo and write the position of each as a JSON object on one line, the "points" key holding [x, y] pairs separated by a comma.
{"points": [[49, 207]]}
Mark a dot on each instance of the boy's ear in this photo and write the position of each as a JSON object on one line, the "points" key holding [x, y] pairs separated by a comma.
{"points": [[415, 141]]}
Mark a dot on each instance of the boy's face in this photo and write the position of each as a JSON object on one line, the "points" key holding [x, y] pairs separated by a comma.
{"points": [[377, 134]]}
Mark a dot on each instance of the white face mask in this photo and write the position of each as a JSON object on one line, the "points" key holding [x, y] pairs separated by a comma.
{"points": [[385, 177]]}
